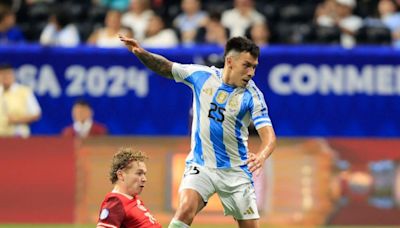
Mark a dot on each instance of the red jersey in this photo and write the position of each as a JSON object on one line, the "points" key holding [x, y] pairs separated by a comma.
{"points": [[96, 129], [120, 210]]}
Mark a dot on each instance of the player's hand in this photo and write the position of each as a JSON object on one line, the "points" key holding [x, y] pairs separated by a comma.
{"points": [[255, 163], [131, 44]]}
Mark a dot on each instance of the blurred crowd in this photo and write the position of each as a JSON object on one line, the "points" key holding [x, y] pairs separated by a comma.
{"points": [[19, 108], [163, 24]]}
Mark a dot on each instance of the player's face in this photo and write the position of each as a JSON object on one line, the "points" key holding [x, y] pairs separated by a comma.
{"points": [[81, 113], [243, 68], [135, 178], [7, 77]]}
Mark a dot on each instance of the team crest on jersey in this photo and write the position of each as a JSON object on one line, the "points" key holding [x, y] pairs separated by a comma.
{"points": [[233, 104], [222, 96], [104, 213]]}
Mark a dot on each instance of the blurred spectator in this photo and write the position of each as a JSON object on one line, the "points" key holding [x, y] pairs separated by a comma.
{"points": [[347, 21], [107, 36], [213, 32], [241, 17], [190, 20], [260, 34], [14, 5], [9, 32], [340, 13], [325, 13], [388, 12], [18, 105], [83, 123], [60, 31], [157, 36], [137, 18], [120, 5]]}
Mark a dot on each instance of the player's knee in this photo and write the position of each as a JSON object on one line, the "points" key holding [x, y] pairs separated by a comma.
{"points": [[190, 203], [186, 211], [251, 223]]}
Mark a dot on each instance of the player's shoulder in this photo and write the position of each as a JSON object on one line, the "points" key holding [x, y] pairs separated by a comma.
{"points": [[198, 68], [253, 90], [112, 197], [22, 88], [252, 87], [118, 198]]}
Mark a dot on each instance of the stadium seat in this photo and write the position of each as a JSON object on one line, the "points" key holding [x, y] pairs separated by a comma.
{"points": [[220, 7], [85, 29], [291, 13], [97, 14], [32, 31], [39, 12], [374, 35], [76, 10], [290, 33], [269, 10], [326, 35], [37, 18]]}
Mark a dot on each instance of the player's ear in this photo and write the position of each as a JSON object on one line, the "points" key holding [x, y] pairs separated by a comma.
{"points": [[228, 60], [120, 175]]}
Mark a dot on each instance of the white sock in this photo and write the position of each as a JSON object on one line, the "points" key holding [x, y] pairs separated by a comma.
{"points": [[175, 223]]}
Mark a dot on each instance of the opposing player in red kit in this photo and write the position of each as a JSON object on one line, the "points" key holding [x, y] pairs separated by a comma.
{"points": [[122, 207]]}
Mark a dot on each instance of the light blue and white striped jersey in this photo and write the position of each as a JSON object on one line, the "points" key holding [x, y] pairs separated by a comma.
{"points": [[221, 116]]}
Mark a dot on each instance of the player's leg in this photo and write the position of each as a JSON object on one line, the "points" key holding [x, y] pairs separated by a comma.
{"points": [[252, 223], [190, 203], [238, 197], [194, 192]]}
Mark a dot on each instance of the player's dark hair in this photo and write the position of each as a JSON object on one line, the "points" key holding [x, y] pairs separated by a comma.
{"points": [[122, 160], [4, 11], [82, 102], [242, 44], [62, 16], [5, 66]]}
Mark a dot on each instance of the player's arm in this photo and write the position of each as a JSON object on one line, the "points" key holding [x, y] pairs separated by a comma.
{"points": [[34, 112], [154, 62], [268, 144], [23, 119], [112, 214]]}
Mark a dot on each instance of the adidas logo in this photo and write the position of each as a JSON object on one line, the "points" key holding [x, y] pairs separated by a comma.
{"points": [[249, 211]]}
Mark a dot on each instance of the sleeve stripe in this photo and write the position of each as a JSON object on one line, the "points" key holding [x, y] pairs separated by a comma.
{"points": [[258, 117], [258, 126], [264, 118], [262, 121], [106, 225]]}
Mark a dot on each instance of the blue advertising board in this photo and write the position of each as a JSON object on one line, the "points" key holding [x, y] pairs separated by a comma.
{"points": [[310, 90]]}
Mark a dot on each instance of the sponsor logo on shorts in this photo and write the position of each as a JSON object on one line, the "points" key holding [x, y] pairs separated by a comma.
{"points": [[249, 211]]}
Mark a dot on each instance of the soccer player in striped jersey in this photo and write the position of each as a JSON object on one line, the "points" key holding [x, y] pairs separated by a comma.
{"points": [[224, 102]]}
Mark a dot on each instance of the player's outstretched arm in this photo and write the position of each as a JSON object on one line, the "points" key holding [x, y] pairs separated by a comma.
{"points": [[154, 62]]}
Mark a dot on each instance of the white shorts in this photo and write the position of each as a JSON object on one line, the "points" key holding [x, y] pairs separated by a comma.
{"points": [[233, 186]]}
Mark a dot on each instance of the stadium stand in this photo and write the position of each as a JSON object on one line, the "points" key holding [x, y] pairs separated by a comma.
{"points": [[290, 21]]}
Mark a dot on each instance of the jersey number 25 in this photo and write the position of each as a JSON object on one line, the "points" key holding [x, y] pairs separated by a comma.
{"points": [[216, 112]]}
